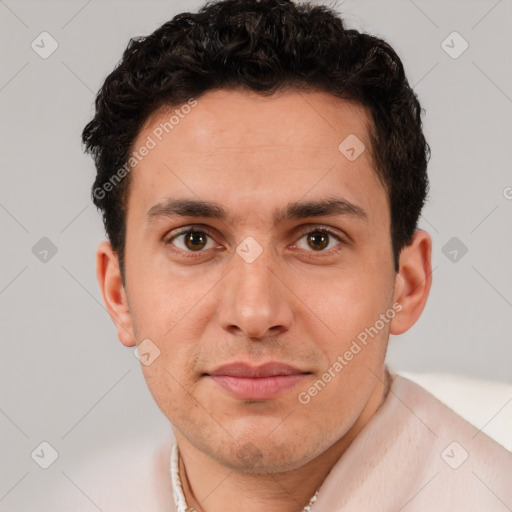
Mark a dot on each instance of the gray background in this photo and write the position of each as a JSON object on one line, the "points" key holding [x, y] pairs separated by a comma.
{"points": [[65, 378]]}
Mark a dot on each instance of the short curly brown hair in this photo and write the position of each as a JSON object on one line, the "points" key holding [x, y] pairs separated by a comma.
{"points": [[264, 46]]}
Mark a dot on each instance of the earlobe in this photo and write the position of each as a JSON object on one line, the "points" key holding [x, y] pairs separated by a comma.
{"points": [[413, 281], [113, 292]]}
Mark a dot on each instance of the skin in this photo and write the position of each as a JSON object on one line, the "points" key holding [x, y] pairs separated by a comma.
{"points": [[296, 303]]}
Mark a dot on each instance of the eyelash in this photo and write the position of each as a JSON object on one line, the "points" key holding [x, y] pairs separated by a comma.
{"points": [[304, 231]]}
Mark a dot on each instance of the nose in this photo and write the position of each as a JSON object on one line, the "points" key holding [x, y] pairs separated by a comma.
{"points": [[255, 301]]}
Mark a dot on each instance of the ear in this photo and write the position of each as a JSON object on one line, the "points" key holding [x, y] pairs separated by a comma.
{"points": [[412, 282], [114, 295]]}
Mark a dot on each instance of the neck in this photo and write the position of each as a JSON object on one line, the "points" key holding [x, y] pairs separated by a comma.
{"points": [[210, 487]]}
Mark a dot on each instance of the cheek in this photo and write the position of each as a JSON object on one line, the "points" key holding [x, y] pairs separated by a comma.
{"points": [[168, 391], [159, 302], [167, 319], [172, 372], [345, 306]]}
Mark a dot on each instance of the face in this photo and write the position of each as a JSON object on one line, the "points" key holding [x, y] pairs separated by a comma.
{"points": [[289, 264]]}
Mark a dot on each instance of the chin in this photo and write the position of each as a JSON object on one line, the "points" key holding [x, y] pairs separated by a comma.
{"points": [[258, 454]]}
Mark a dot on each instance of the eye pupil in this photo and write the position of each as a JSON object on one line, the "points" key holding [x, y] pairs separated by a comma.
{"points": [[195, 241], [191, 239], [321, 239]]}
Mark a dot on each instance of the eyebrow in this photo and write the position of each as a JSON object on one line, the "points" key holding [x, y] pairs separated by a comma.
{"points": [[294, 210]]}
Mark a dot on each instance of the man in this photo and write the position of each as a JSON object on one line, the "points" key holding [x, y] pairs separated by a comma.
{"points": [[261, 170]]}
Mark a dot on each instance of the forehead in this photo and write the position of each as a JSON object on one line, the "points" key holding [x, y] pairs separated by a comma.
{"points": [[231, 119], [249, 150]]}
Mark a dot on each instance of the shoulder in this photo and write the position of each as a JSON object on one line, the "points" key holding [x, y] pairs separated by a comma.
{"points": [[485, 404], [130, 476], [417, 454], [459, 464]]}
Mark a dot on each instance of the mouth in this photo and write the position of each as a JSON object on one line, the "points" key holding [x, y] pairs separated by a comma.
{"points": [[263, 382]]}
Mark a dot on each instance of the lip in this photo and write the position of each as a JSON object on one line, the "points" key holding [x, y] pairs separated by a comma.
{"points": [[270, 369], [263, 382]]}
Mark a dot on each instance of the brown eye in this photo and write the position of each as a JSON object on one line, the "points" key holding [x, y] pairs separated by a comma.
{"points": [[195, 241], [318, 240], [191, 240]]}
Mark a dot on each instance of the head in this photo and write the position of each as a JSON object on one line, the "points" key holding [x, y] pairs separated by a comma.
{"points": [[261, 170]]}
